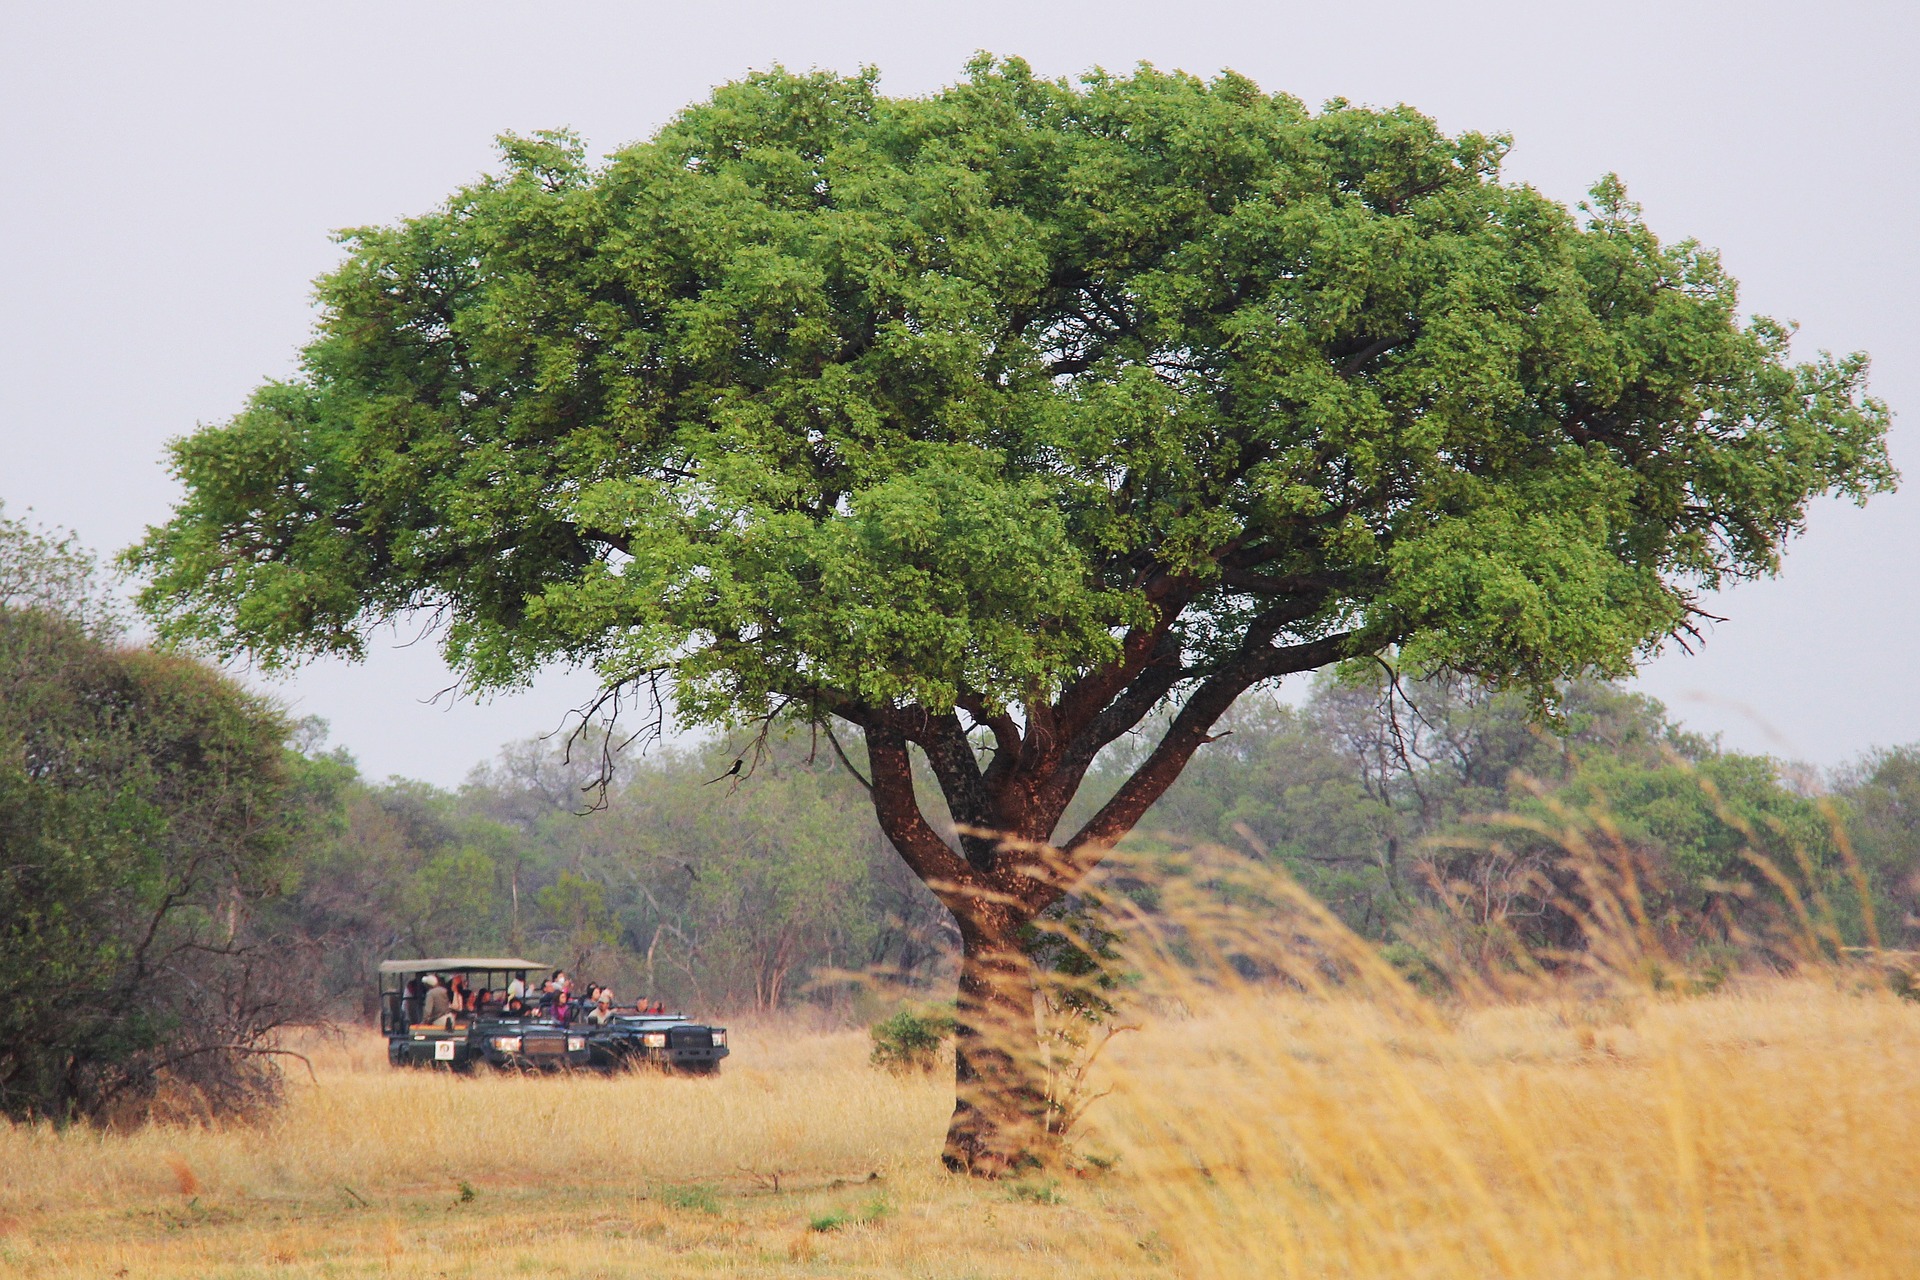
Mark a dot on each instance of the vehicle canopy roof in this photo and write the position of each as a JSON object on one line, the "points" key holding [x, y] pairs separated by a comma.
{"points": [[456, 963]]}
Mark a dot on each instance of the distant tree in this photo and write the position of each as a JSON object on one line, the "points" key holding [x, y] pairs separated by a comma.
{"points": [[777, 884], [51, 572], [1881, 798], [1377, 792], [576, 911], [989, 422], [395, 870]]}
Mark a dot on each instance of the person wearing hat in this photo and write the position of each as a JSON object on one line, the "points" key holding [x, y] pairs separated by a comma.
{"points": [[439, 1010]]}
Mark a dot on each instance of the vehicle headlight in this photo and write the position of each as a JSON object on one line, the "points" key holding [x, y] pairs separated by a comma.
{"points": [[576, 1043], [719, 1037], [507, 1044], [654, 1039]]}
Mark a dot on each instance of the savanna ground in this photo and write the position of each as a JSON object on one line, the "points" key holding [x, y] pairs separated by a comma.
{"points": [[1771, 1129]]}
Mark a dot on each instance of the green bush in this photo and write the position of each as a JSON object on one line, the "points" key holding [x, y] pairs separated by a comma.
{"points": [[1416, 966], [697, 1197], [874, 1211], [910, 1040]]}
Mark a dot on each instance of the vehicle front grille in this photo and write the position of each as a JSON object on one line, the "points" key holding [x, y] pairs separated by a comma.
{"points": [[690, 1038], [543, 1046]]}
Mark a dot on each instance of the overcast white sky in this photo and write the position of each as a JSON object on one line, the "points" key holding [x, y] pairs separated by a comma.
{"points": [[176, 168]]}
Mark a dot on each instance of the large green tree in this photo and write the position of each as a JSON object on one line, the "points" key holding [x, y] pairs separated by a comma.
{"points": [[987, 422]]}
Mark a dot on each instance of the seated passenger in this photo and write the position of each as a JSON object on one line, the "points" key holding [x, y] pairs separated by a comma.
{"points": [[602, 1008], [515, 1007], [414, 992], [439, 1006]]}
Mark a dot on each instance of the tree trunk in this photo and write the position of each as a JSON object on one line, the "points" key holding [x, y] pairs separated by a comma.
{"points": [[999, 1123], [1002, 867]]}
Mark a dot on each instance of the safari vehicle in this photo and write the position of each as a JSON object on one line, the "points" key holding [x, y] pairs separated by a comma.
{"points": [[489, 1038], [659, 1040]]}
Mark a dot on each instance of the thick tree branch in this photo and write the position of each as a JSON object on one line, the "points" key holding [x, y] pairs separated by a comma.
{"points": [[1084, 699], [950, 753], [1262, 584], [1355, 362], [898, 811], [1155, 680], [1185, 736], [1006, 732]]}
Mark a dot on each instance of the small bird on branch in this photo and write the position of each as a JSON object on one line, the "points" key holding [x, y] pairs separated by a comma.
{"points": [[731, 773]]}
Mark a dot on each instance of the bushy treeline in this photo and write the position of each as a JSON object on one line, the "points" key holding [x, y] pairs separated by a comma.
{"points": [[681, 882], [1410, 808], [1401, 806]]}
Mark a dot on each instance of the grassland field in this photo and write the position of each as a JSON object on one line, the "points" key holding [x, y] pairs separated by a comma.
{"points": [[1772, 1129]]}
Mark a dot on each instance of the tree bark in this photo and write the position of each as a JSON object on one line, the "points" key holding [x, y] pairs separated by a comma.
{"points": [[999, 1123]]}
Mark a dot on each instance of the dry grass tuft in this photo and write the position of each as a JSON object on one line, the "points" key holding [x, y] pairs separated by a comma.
{"points": [[185, 1180]]}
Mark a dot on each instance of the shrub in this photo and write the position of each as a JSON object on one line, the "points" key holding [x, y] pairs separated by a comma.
{"points": [[910, 1040], [874, 1211], [697, 1197], [1416, 966]]}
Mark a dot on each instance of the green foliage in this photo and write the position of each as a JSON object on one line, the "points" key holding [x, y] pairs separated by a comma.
{"points": [[1710, 818], [1881, 806], [873, 1211], [1416, 966], [1036, 1191], [910, 1039], [52, 573], [145, 807], [697, 1197], [576, 908], [842, 399], [1388, 798]]}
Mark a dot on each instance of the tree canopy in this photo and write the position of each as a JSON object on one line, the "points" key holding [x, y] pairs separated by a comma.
{"points": [[990, 421]]}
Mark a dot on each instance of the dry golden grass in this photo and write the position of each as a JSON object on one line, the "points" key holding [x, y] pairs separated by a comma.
{"points": [[1770, 1130], [375, 1172]]}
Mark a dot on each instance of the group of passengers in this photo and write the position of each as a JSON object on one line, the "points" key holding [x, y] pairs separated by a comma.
{"points": [[431, 1002]]}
